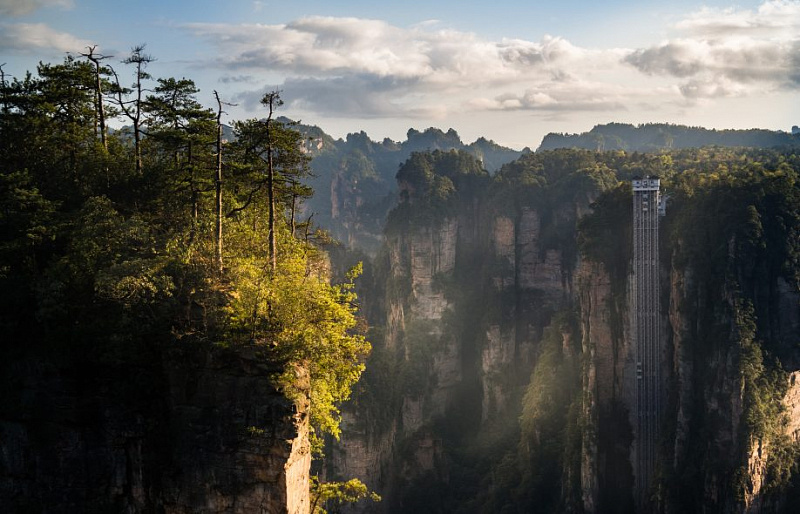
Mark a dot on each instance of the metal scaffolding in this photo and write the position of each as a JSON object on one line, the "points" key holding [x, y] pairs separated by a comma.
{"points": [[646, 330]]}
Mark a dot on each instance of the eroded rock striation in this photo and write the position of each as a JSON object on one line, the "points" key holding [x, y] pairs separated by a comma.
{"points": [[201, 431]]}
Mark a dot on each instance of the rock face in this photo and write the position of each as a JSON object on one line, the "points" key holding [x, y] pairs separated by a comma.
{"points": [[471, 294], [609, 402], [710, 437], [206, 433], [355, 178], [477, 336]]}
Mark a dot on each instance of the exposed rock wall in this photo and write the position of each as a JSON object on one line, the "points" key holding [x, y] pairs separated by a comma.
{"points": [[756, 497], [432, 252], [704, 424], [489, 351], [206, 433], [609, 402], [477, 289]]}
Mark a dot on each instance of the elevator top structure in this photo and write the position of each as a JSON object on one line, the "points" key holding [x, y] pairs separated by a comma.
{"points": [[646, 184]]}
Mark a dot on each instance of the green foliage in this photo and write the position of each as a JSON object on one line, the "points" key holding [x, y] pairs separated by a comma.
{"points": [[549, 388], [605, 234], [26, 220], [764, 418], [549, 417], [108, 252], [303, 321], [432, 185], [557, 185], [330, 497], [731, 227], [540, 472]]}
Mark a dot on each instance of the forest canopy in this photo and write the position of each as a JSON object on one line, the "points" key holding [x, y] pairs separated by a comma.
{"points": [[126, 242]]}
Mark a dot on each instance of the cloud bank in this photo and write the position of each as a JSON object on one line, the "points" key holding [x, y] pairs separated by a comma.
{"points": [[23, 7], [35, 37], [729, 52], [369, 68]]}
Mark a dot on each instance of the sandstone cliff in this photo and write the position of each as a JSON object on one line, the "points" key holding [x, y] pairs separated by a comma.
{"points": [[480, 282], [206, 432]]}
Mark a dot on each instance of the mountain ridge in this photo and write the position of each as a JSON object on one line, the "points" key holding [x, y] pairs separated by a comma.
{"points": [[664, 136]]}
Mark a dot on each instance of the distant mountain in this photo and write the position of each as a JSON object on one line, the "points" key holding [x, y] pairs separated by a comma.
{"points": [[663, 136], [354, 177]]}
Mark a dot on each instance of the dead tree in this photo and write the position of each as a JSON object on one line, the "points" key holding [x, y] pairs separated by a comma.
{"points": [[100, 114], [133, 109], [3, 88], [218, 182]]}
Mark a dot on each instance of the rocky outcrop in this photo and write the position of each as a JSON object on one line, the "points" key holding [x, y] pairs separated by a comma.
{"points": [[756, 498], [238, 438], [491, 346], [471, 295], [432, 254], [609, 403], [539, 268], [363, 451], [208, 432]]}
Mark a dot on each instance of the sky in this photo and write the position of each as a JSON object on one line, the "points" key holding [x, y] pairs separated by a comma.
{"points": [[507, 70]]}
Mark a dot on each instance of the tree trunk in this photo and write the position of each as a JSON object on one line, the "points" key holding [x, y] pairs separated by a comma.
{"points": [[294, 207], [193, 188], [273, 260], [100, 113], [218, 185], [271, 100]]}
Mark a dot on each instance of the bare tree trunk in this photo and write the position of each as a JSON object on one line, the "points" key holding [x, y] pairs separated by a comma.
{"points": [[218, 185], [292, 213], [273, 260], [141, 60], [100, 113], [193, 188], [137, 136], [271, 100], [3, 88], [308, 227]]}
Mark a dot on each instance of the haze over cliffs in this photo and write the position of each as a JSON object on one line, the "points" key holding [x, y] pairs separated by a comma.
{"points": [[355, 177], [502, 372], [140, 375], [206, 307]]}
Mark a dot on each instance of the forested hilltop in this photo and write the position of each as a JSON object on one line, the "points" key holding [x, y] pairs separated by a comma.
{"points": [[171, 340], [355, 177], [653, 137]]}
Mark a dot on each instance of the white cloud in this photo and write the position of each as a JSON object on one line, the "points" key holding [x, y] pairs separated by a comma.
{"points": [[369, 68], [335, 46], [563, 96], [709, 89], [773, 18], [22, 7], [33, 37], [729, 52]]}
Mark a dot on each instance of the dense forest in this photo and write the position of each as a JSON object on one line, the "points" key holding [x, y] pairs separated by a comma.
{"points": [[180, 334], [124, 249]]}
